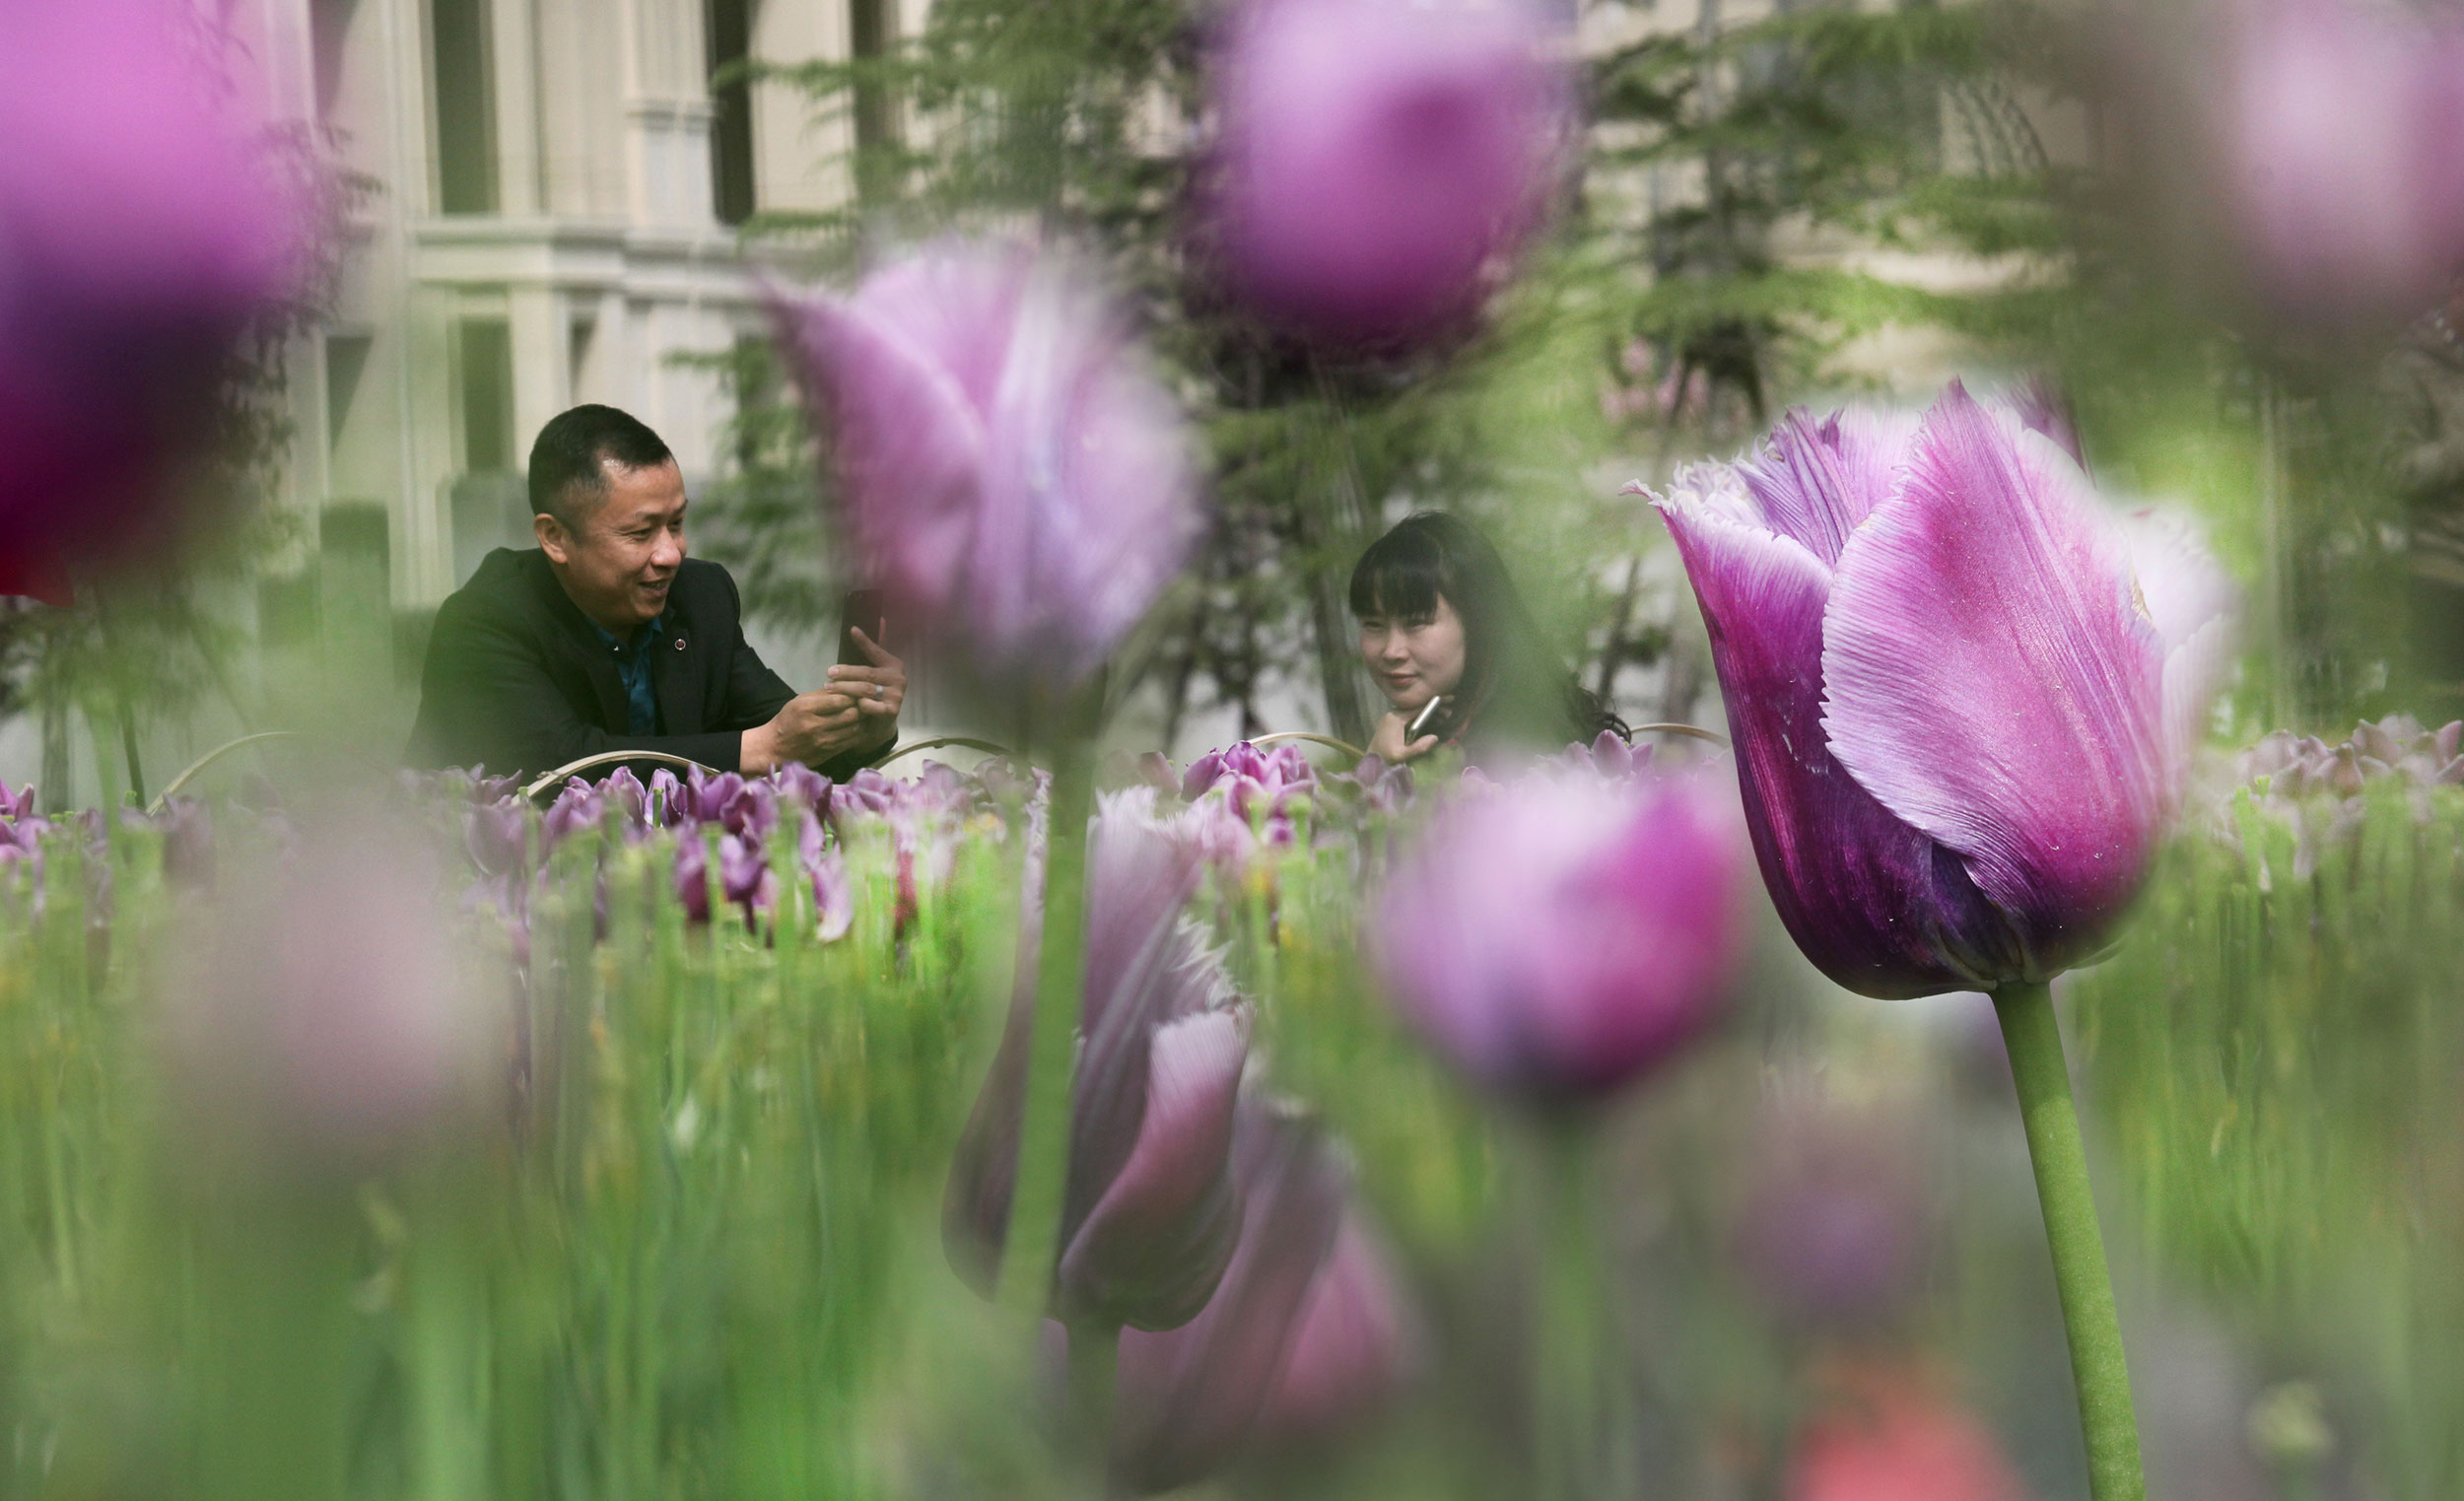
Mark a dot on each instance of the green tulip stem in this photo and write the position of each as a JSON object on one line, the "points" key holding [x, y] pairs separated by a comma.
{"points": [[1094, 1371], [2034, 1042], [1034, 1237], [1575, 1395]]}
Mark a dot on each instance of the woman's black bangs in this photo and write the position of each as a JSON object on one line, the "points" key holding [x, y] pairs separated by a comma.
{"points": [[1398, 578]]}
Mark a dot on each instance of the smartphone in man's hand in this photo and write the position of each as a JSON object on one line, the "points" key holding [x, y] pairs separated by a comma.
{"points": [[861, 611]]}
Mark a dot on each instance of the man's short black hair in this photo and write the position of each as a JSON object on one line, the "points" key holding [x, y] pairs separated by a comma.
{"points": [[569, 459]]}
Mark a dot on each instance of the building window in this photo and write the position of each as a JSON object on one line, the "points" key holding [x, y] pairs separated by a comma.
{"points": [[731, 121], [491, 507], [486, 378], [466, 105], [329, 35], [346, 360]]}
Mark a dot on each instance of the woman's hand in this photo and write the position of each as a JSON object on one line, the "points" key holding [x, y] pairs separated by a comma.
{"points": [[1389, 745]]}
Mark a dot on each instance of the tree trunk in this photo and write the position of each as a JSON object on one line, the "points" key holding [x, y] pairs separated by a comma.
{"points": [[1334, 517]]}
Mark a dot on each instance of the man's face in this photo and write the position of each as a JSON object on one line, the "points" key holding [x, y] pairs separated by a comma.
{"points": [[628, 548]]}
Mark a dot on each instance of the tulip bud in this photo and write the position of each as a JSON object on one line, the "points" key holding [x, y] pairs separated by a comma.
{"points": [[1192, 1397], [1961, 699], [1149, 1212], [1560, 934], [142, 233], [328, 1017], [1009, 465], [1379, 165], [2340, 132], [1836, 1225]]}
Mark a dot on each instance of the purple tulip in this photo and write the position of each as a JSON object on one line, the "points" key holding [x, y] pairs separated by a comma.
{"points": [[745, 877], [578, 809], [1380, 164], [1255, 783], [1382, 789], [692, 876], [1560, 934], [625, 793], [833, 895], [497, 835], [1609, 756], [1960, 706], [2339, 135], [800, 784], [667, 797], [1150, 1212], [1009, 464], [142, 233], [1190, 1396], [187, 827]]}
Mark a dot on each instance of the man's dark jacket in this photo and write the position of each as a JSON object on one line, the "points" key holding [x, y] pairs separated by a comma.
{"points": [[517, 680]]}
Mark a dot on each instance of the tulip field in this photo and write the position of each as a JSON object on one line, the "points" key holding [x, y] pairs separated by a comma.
{"points": [[662, 1210], [1579, 751]]}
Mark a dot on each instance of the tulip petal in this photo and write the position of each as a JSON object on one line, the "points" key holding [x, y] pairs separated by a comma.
{"points": [[900, 427], [2032, 741], [2190, 601], [1087, 475], [1816, 482], [1354, 1344], [1143, 967], [1872, 901], [1653, 923], [1189, 1396], [1151, 1250]]}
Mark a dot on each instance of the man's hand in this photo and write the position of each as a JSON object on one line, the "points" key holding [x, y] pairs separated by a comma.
{"points": [[1390, 743], [858, 711], [878, 688]]}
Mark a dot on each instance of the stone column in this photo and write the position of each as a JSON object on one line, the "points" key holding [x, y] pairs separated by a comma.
{"points": [[513, 66]]}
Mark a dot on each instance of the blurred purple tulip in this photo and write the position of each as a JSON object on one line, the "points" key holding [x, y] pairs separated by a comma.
{"points": [[2340, 131], [187, 827], [1150, 1212], [1610, 756], [1961, 707], [326, 1017], [1353, 1349], [142, 233], [1009, 466], [1837, 1225], [1190, 1396], [1380, 164], [1558, 935]]}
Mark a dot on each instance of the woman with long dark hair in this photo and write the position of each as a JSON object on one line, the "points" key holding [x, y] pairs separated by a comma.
{"points": [[1441, 620]]}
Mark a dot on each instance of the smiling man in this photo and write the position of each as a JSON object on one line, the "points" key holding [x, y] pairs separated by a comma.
{"points": [[607, 637]]}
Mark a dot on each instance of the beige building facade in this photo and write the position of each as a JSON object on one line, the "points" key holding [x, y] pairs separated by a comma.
{"points": [[547, 211]]}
